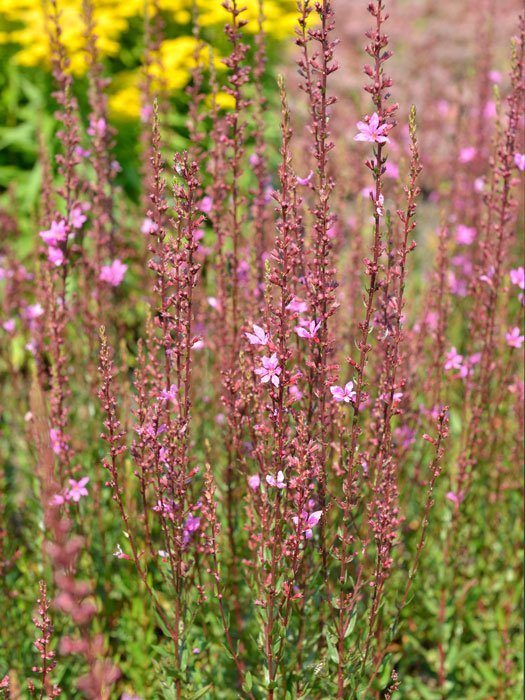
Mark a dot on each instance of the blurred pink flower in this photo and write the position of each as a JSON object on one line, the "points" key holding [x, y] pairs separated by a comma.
{"points": [[519, 161], [305, 180], [148, 226], [466, 155], [514, 338], [55, 256], [453, 360], [254, 481], [56, 233], [114, 273], [465, 234], [517, 277]]}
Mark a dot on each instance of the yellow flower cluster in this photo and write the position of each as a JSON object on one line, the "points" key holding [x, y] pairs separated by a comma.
{"points": [[23, 24]]}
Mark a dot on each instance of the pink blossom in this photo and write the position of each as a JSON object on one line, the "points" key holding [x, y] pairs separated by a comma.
{"points": [[456, 498], [119, 554], [514, 338], [346, 395], [146, 113], [258, 337], [55, 256], [517, 277], [295, 392], [148, 226], [97, 127], [206, 204], [519, 161], [57, 500], [372, 131], [9, 325], [465, 234], [254, 482], [305, 180], [114, 273], [270, 370], [81, 152], [297, 305], [77, 218], [453, 360], [278, 481], [495, 76], [55, 438], [214, 303], [191, 526], [77, 489], [489, 111], [307, 522], [169, 394], [466, 155], [391, 170], [309, 331], [34, 311], [56, 233]]}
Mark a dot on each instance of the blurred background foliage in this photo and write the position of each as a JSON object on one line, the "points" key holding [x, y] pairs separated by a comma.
{"points": [[26, 85]]}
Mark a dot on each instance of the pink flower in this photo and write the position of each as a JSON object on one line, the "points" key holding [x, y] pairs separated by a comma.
{"points": [[372, 131], [55, 256], [55, 438], [305, 180], [453, 360], [517, 277], [191, 526], [309, 331], [278, 482], [169, 394], [513, 338], [495, 76], [456, 498], [9, 325], [258, 337], [391, 170], [148, 226], [295, 392], [114, 273], [308, 521], [297, 305], [206, 205], [347, 394], [254, 482], [270, 370], [519, 161], [146, 113], [465, 234], [120, 554], [57, 500], [56, 233], [33, 311], [78, 218], [466, 155], [97, 127], [214, 303], [77, 489]]}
